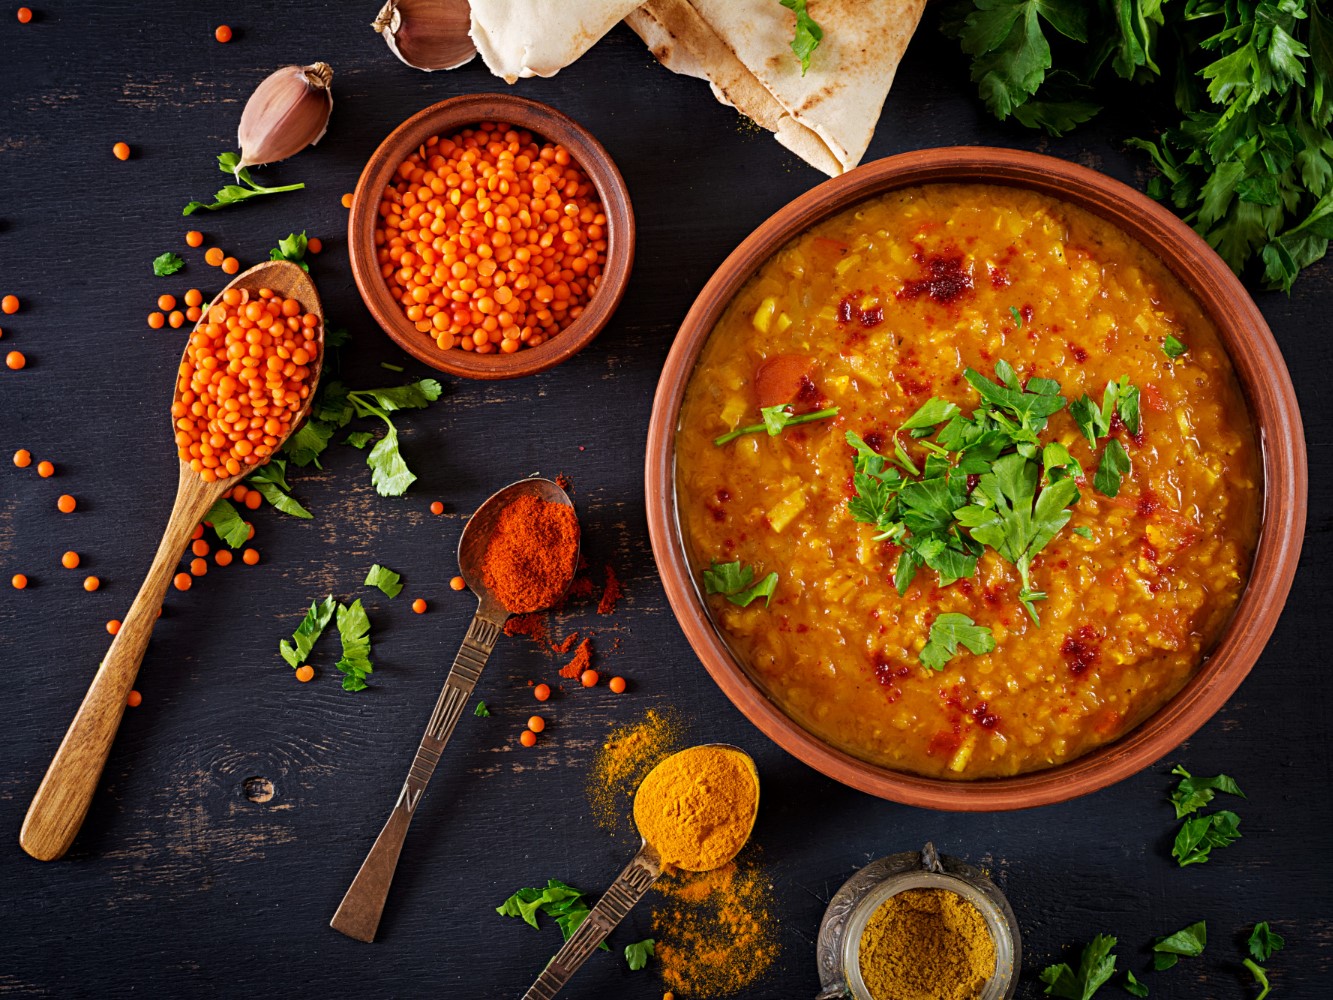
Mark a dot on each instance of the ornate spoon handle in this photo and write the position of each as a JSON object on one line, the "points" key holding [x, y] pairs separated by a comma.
{"points": [[358, 915], [643, 870]]}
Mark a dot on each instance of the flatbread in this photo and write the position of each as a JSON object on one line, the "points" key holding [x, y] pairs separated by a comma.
{"points": [[743, 49], [520, 38]]}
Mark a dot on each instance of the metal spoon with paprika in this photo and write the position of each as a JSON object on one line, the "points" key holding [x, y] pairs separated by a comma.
{"points": [[358, 915]]}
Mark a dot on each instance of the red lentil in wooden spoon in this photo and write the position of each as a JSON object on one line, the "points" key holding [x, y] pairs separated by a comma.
{"points": [[245, 382]]}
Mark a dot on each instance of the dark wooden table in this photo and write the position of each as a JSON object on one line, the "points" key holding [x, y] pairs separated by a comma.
{"points": [[237, 804]]}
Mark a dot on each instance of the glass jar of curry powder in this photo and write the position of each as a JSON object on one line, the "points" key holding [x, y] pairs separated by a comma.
{"points": [[918, 918]]}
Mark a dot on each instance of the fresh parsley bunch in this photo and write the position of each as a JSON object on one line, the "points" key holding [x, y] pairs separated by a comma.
{"points": [[1250, 164]]}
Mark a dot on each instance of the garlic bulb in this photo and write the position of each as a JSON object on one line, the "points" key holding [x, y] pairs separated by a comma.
{"points": [[428, 34], [287, 112]]}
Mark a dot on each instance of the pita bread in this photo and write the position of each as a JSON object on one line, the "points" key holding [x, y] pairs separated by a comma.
{"points": [[743, 49], [519, 38]]}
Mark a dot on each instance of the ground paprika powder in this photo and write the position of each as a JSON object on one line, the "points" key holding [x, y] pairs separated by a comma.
{"points": [[532, 554]]}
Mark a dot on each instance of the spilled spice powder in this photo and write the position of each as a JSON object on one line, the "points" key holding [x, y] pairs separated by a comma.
{"points": [[715, 931], [611, 593], [582, 661], [628, 753], [531, 625], [566, 644]]}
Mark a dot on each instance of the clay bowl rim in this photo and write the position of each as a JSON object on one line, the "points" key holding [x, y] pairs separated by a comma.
{"points": [[1264, 380], [544, 121]]}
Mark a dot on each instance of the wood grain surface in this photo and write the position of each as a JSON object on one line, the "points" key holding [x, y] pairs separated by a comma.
{"points": [[237, 804]]}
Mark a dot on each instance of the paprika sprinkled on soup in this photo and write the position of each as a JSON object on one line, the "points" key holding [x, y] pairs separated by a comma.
{"points": [[1007, 524]]}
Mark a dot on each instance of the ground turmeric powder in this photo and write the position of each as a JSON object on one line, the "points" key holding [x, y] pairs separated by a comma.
{"points": [[926, 944], [697, 807], [627, 755]]}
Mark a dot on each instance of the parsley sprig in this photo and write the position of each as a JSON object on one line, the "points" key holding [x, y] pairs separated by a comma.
{"points": [[232, 194], [167, 263], [950, 630], [776, 419]]}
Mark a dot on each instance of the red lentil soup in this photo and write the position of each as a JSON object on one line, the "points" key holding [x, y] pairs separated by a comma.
{"points": [[879, 309]]}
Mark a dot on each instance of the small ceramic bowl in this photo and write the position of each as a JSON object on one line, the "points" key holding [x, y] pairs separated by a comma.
{"points": [[452, 116], [838, 947], [1259, 367]]}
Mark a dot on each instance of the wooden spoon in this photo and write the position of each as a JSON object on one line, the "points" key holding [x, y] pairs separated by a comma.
{"points": [[62, 799], [643, 870], [358, 915]]}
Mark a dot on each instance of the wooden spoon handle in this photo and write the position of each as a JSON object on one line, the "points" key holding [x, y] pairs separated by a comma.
{"points": [[644, 869], [63, 798], [358, 915]]}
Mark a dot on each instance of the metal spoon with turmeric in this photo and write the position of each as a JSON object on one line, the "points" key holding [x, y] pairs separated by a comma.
{"points": [[518, 554], [694, 811]]}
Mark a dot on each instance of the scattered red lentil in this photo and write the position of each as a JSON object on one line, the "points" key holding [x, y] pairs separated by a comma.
{"points": [[176, 320], [91, 583], [244, 377], [70, 560], [457, 583], [199, 547], [437, 508], [194, 238], [617, 685], [15, 360], [166, 302], [66, 503], [589, 678], [24, 15], [19, 581], [541, 692], [419, 606], [346, 200], [250, 557], [113, 626], [134, 700], [230, 265], [194, 297], [45, 469], [9, 304], [305, 673], [489, 241], [198, 532], [198, 567], [121, 150], [23, 458], [223, 557], [528, 738], [314, 244], [214, 256], [193, 314], [536, 723], [157, 320], [183, 581], [223, 33]]}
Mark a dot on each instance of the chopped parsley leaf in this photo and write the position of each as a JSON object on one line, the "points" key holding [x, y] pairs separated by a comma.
{"points": [[1189, 942], [1133, 986], [481, 711], [1198, 836], [1095, 968], [167, 263], [386, 579], [561, 902], [638, 953], [808, 34], [1193, 793], [292, 249], [950, 630], [354, 630], [312, 625], [1172, 347], [1260, 975], [1264, 941], [734, 581], [227, 523], [1115, 463]]}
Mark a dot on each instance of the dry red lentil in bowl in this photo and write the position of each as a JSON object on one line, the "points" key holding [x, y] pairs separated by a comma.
{"points": [[939, 498], [491, 236]]}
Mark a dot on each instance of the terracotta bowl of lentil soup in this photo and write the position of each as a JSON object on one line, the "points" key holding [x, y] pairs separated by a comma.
{"points": [[934, 636], [492, 268]]}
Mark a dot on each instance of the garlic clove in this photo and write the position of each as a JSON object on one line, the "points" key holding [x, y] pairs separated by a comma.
{"points": [[428, 34], [287, 112]]}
